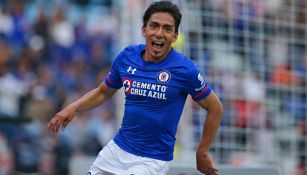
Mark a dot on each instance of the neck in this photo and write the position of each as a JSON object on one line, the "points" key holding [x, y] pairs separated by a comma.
{"points": [[148, 58]]}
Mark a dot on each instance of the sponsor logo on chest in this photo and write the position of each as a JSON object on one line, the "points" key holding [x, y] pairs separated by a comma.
{"points": [[141, 88]]}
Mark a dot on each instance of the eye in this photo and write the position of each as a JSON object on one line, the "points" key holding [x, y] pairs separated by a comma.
{"points": [[168, 29], [152, 25]]}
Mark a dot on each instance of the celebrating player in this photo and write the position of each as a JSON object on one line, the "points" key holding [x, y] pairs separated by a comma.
{"points": [[156, 81]]}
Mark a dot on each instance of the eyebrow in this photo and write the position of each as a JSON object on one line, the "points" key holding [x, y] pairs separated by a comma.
{"points": [[165, 25]]}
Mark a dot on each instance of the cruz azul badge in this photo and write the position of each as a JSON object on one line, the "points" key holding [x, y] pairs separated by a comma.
{"points": [[164, 77]]}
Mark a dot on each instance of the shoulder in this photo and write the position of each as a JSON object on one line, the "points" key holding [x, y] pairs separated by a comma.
{"points": [[130, 54], [133, 50], [183, 63]]}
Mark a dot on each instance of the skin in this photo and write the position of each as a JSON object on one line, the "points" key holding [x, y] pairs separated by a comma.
{"points": [[90, 100], [214, 116], [160, 29]]}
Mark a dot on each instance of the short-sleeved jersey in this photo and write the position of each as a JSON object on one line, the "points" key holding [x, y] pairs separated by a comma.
{"points": [[155, 95]]}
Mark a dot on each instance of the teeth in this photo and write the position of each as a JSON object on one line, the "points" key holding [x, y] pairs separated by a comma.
{"points": [[160, 44], [157, 44]]}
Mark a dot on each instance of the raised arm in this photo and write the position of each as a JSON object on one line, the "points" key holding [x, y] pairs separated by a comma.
{"points": [[90, 100], [214, 116]]}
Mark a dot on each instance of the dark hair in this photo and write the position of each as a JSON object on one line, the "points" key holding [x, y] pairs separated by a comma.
{"points": [[163, 6]]}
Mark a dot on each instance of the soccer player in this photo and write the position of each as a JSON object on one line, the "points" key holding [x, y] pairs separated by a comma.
{"points": [[156, 81]]}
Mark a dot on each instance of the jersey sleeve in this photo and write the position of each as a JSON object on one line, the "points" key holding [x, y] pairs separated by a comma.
{"points": [[113, 79], [196, 84]]}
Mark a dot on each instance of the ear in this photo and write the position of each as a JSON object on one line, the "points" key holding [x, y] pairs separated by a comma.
{"points": [[175, 37], [143, 31]]}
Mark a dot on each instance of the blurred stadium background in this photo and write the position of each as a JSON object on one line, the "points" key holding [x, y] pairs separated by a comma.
{"points": [[252, 52]]}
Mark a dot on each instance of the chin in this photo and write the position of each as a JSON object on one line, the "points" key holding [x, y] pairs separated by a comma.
{"points": [[157, 56]]}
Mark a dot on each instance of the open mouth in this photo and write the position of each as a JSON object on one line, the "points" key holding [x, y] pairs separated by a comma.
{"points": [[157, 45]]}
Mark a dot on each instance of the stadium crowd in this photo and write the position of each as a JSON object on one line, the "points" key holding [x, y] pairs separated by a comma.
{"points": [[52, 53], [255, 56]]}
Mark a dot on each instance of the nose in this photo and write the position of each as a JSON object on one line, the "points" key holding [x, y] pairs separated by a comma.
{"points": [[159, 32]]}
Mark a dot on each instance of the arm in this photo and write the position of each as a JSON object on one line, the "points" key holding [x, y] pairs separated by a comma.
{"points": [[90, 100], [214, 116]]}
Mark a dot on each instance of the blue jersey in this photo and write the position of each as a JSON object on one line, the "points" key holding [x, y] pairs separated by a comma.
{"points": [[155, 95]]}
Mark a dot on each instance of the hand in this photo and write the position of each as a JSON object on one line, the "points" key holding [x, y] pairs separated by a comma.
{"points": [[204, 163], [60, 120]]}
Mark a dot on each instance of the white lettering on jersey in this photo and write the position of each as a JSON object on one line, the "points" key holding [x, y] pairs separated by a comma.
{"points": [[145, 89]]}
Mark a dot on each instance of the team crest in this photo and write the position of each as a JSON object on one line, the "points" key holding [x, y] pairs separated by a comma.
{"points": [[164, 77], [127, 85]]}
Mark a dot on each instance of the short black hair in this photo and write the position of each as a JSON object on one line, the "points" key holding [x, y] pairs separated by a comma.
{"points": [[163, 6]]}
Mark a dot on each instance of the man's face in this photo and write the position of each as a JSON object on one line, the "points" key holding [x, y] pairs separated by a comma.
{"points": [[159, 34]]}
